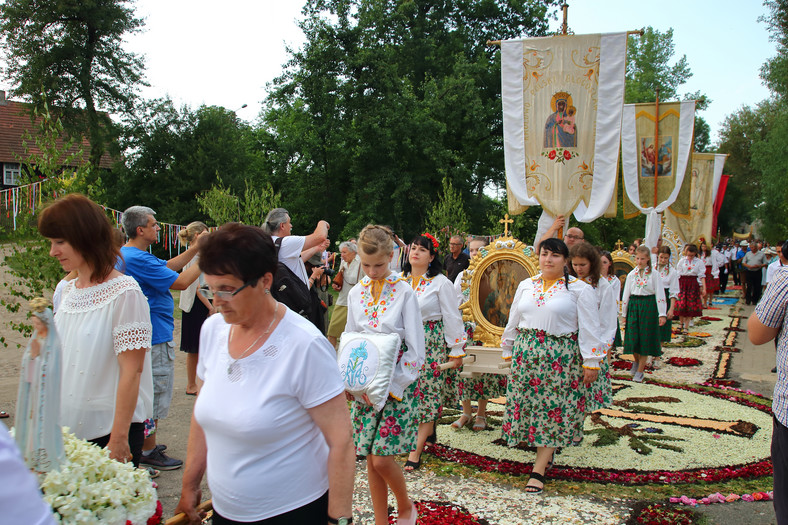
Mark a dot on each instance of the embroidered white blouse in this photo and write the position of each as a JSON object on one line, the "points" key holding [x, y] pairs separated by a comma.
{"points": [[95, 325], [713, 260], [607, 305], [643, 282], [694, 267], [670, 280], [437, 300], [396, 311], [558, 311]]}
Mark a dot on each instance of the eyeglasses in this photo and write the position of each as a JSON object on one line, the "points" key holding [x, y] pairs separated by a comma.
{"points": [[575, 237], [224, 295]]}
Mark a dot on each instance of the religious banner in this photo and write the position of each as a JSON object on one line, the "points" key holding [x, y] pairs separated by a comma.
{"points": [[562, 100], [698, 190], [718, 199], [655, 163]]}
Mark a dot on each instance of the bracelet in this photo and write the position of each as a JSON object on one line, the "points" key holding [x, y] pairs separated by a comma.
{"points": [[342, 519]]}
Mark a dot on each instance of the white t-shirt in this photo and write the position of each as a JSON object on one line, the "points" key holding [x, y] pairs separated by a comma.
{"points": [[20, 498], [290, 255], [266, 455], [95, 325], [775, 265]]}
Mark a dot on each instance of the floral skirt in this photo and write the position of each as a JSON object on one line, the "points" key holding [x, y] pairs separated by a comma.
{"points": [[712, 283], [643, 331], [389, 432], [433, 384], [600, 393], [545, 400], [688, 304], [483, 387], [666, 330]]}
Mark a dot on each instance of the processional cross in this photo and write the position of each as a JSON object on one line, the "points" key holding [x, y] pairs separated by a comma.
{"points": [[506, 221]]}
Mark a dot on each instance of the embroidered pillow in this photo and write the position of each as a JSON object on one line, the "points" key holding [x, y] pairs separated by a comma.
{"points": [[367, 363]]}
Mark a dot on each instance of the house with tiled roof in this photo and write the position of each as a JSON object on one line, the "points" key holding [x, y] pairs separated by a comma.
{"points": [[16, 128]]}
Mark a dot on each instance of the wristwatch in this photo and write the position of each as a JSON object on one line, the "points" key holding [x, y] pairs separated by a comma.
{"points": [[340, 521]]}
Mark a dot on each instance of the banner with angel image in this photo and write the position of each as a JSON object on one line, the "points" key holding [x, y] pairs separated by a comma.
{"points": [[562, 102]]}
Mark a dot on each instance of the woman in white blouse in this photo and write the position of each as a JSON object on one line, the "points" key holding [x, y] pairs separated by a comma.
{"points": [[551, 338], [444, 336], [384, 303], [670, 280], [643, 308], [104, 325], [692, 286], [586, 264]]}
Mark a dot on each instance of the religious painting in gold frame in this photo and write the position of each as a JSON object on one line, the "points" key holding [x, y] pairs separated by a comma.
{"points": [[492, 279], [623, 262]]}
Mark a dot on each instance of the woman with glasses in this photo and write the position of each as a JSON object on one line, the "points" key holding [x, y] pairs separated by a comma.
{"points": [[271, 425]]}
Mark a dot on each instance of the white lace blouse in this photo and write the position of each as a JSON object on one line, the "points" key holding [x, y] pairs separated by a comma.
{"points": [[670, 280], [96, 324], [641, 283], [607, 303], [438, 300], [694, 267], [558, 311]]}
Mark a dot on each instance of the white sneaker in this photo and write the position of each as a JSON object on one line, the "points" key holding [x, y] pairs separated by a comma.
{"points": [[638, 377], [656, 364], [633, 370]]}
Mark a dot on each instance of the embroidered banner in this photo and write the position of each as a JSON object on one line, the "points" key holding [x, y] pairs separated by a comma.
{"points": [[699, 191], [562, 99]]}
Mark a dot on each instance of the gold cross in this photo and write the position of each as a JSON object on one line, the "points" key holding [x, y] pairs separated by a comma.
{"points": [[619, 245], [506, 221]]}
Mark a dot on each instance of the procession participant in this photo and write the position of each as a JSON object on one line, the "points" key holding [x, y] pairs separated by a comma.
{"points": [[104, 325], [270, 425], [444, 336], [606, 271], [572, 235], [711, 269], [456, 260], [670, 280], [770, 255], [741, 271], [586, 266], [718, 252], [484, 387], [643, 310], [350, 270], [754, 261], [156, 278], [384, 303], [195, 307], [692, 284], [551, 341]]}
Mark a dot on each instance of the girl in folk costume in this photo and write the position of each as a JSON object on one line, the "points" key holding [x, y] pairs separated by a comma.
{"points": [[712, 273], [383, 302], [670, 280], [484, 387], [692, 285], [586, 267], [551, 339], [607, 273], [444, 335], [643, 308]]}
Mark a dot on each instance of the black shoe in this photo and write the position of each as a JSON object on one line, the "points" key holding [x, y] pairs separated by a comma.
{"points": [[774, 370], [159, 460], [161, 448]]}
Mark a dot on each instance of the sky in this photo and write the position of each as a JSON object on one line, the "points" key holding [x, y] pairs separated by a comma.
{"points": [[225, 53]]}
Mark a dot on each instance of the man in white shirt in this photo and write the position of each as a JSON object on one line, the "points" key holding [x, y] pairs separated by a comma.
{"points": [[296, 249]]}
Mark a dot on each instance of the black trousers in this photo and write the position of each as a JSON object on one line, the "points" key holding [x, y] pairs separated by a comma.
{"points": [[723, 279], [136, 437], [315, 513], [754, 286], [780, 464]]}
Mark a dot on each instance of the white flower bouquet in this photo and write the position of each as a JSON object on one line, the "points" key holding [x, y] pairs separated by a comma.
{"points": [[92, 488]]}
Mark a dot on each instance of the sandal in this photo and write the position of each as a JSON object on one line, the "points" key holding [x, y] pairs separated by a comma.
{"points": [[461, 422], [3, 414], [533, 490], [480, 424], [433, 438], [410, 466]]}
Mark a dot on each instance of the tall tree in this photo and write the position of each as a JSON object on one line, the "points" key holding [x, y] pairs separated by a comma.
{"points": [[384, 101], [71, 54]]}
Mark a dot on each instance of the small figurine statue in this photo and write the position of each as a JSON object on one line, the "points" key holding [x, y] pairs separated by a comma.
{"points": [[37, 423]]}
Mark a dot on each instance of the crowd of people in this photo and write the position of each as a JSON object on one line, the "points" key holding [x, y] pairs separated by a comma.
{"points": [[274, 426]]}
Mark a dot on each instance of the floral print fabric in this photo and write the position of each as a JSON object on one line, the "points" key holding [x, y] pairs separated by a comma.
{"points": [[546, 400], [389, 432], [433, 384]]}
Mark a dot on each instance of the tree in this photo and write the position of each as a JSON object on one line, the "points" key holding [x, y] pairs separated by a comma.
{"points": [[384, 101], [447, 217], [72, 54], [174, 155], [222, 206]]}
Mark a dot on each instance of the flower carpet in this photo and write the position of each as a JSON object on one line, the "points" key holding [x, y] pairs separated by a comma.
{"points": [[685, 429]]}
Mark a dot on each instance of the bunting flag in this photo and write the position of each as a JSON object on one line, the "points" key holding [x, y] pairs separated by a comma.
{"points": [[643, 158], [691, 217], [562, 100]]}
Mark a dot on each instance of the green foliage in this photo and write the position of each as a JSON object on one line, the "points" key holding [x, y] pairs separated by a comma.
{"points": [[384, 101], [649, 67], [73, 51], [222, 206], [448, 216], [775, 71]]}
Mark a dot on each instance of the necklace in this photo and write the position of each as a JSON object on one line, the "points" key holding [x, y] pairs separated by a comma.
{"points": [[234, 369]]}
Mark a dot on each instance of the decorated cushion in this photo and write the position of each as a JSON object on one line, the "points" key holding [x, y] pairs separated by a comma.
{"points": [[367, 363]]}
